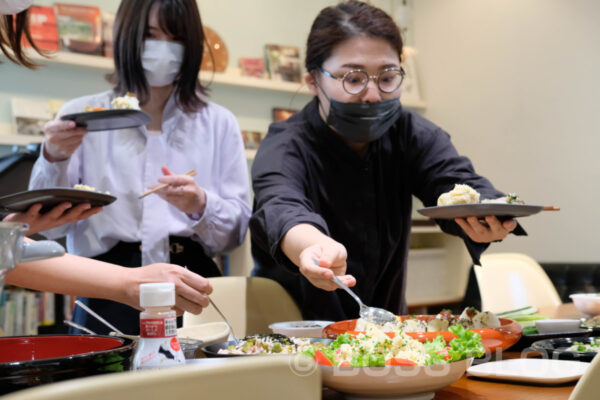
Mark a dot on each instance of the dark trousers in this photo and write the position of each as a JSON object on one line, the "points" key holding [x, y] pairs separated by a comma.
{"points": [[183, 252]]}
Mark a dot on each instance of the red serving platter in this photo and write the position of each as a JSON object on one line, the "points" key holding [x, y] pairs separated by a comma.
{"points": [[501, 338]]}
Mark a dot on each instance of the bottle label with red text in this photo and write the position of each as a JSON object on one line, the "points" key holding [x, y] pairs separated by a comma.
{"points": [[158, 327]]}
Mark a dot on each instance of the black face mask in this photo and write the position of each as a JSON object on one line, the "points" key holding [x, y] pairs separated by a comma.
{"points": [[363, 122]]}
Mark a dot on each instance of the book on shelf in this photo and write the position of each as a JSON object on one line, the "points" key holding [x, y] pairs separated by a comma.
{"points": [[22, 311], [43, 28], [281, 114], [254, 67], [79, 28], [108, 20], [252, 139], [283, 62], [30, 115]]}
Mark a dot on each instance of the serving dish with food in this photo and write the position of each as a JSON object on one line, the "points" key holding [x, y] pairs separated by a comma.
{"points": [[264, 344], [569, 348], [372, 364], [496, 333], [27, 361], [125, 113], [464, 201], [51, 197]]}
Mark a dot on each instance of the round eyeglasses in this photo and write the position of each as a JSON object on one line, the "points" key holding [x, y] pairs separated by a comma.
{"points": [[356, 81]]}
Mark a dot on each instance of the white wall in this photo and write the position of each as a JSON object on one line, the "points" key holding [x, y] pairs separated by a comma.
{"points": [[516, 83]]}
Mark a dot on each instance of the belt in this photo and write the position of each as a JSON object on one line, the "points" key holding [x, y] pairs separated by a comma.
{"points": [[183, 251]]}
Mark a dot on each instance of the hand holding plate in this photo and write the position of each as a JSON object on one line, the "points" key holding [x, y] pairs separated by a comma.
{"points": [[61, 214], [490, 231], [62, 138]]}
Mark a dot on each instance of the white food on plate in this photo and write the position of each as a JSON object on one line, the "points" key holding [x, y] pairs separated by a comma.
{"points": [[127, 102], [461, 194], [470, 318]]}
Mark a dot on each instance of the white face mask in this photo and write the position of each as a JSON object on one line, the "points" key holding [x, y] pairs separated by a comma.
{"points": [[10, 7], [161, 61]]}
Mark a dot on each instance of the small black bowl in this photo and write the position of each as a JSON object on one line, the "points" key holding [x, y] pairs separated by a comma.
{"points": [[27, 361], [213, 349], [557, 348]]}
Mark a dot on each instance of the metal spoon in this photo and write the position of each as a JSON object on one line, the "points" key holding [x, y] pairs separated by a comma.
{"points": [[370, 314], [226, 321]]}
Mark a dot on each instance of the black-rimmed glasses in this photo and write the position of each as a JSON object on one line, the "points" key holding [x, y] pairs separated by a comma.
{"points": [[355, 81]]}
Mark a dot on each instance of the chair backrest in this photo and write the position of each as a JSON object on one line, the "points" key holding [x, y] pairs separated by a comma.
{"points": [[250, 304], [588, 387], [268, 377], [511, 280]]}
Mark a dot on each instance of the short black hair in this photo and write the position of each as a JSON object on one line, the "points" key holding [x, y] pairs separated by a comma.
{"points": [[181, 19]]}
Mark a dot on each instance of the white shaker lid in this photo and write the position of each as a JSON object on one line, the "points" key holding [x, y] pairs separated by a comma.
{"points": [[157, 294]]}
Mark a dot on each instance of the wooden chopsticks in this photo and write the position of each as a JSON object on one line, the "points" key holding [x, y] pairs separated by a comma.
{"points": [[551, 208], [164, 185]]}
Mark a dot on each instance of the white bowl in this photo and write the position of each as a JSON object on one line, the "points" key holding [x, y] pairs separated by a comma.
{"points": [[418, 382], [587, 303], [208, 333], [300, 328], [557, 325]]}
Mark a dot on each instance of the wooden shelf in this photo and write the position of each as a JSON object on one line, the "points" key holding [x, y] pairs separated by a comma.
{"points": [[232, 77]]}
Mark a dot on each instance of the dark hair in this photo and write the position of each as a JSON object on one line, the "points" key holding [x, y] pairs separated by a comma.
{"points": [[12, 30], [346, 20], [181, 19]]}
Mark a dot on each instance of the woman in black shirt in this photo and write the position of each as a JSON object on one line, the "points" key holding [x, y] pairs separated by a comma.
{"points": [[334, 183]]}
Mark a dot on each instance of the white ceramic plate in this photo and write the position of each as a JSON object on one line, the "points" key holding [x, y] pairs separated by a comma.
{"points": [[393, 381], [535, 370], [300, 328], [209, 333]]}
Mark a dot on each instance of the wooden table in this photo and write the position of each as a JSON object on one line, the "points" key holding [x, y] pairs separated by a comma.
{"points": [[479, 389]]}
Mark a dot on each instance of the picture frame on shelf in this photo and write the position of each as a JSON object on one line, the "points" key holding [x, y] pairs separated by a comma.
{"points": [[283, 62]]}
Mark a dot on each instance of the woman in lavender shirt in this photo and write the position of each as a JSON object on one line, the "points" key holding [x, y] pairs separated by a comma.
{"points": [[158, 53]]}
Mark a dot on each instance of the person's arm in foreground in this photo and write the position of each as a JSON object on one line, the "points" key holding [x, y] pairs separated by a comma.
{"points": [[61, 214], [82, 276]]}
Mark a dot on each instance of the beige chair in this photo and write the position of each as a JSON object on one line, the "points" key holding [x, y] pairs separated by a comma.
{"points": [[268, 377], [511, 280], [250, 303], [588, 387]]}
